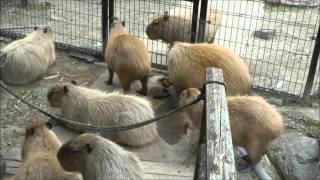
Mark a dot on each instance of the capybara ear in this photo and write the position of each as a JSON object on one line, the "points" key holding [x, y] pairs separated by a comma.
{"points": [[35, 28], [45, 30], [74, 82], [89, 148], [123, 23], [30, 131], [49, 125], [65, 89], [166, 16], [188, 94]]}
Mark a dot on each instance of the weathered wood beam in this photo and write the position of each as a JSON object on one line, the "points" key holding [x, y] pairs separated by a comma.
{"points": [[220, 157]]}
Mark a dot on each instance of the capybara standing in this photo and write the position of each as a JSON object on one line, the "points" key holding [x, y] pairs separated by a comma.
{"points": [[27, 59], [127, 57], [254, 122], [187, 64], [99, 158], [86, 105], [40, 156], [176, 26]]}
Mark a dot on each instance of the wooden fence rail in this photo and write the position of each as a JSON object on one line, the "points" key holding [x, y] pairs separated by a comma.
{"points": [[215, 152]]}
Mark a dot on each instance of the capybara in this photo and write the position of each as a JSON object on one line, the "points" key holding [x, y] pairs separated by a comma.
{"points": [[98, 158], [25, 60], [40, 156], [175, 25], [128, 57], [254, 122], [39, 136], [187, 64], [98, 108]]}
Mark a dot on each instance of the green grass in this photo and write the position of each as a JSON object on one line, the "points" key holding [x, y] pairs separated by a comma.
{"points": [[312, 122], [30, 95], [279, 8]]}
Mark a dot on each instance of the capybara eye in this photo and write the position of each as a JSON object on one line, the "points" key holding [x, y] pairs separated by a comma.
{"points": [[74, 151]]}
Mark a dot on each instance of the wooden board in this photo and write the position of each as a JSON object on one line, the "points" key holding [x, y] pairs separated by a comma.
{"points": [[220, 157], [156, 170]]}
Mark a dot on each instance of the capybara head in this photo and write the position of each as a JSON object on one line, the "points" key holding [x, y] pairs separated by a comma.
{"points": [[117, 25], [43, 32], [73, 154], [157, 29], [39, 136], [57, 93], [188, 96]]}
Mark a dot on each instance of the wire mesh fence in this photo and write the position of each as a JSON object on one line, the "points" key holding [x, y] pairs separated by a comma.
{"points": [[276, 41], [76, 23]]}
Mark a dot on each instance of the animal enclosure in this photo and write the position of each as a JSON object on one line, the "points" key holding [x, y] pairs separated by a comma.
{"points": [[277, 42]]}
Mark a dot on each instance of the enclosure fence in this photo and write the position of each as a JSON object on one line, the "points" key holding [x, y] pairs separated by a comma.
{"points": [[276, 41]]}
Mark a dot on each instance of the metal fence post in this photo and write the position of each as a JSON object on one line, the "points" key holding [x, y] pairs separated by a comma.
{"points": [[24, 3], [312, 69], [202, 20], [200, 172], [105, 24], [195, 11]]}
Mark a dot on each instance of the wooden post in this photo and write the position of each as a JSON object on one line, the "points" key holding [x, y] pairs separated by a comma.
{"points": [[220, 157]]}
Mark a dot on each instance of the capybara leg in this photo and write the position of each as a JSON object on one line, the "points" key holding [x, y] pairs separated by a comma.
{"points": [[125, 84], [144, 84], [254, 153], [110, 80]]}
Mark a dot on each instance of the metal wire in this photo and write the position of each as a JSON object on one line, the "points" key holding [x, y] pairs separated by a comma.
{"points": [[59, 120]]}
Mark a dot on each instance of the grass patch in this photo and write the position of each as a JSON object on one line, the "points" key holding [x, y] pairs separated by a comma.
{"points": [[312, 122], [280, 8], [30, 95]]}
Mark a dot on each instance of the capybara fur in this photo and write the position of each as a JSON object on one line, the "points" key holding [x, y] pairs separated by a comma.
{"points": [[254, 122], [86, 105], [40, 137], [187, 64], [40, 156], [98, 158], [25, 60], [176, 26], [128, 57]]}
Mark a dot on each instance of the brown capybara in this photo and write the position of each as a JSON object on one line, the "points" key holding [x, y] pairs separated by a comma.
{"points": [[254, 122], [175, 25], [98, 158], [187, 64], [40, 156], [128, 57], [25, 60], [98, 108], [40, 137]]}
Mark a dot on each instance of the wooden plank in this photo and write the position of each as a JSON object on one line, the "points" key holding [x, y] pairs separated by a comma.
{"points": [[156, 170], [220, 157]]}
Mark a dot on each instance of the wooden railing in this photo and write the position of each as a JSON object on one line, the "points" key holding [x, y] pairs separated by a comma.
{"points": [[215, 158]]}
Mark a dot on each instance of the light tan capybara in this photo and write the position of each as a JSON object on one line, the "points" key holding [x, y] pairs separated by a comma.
{"points": [[39, 153], [128, 57], [98, 108], [187, 64], [175, 25], [98, 158], [25, 60], [254, 122]]}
